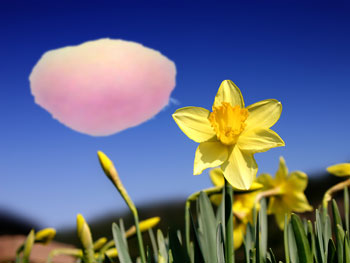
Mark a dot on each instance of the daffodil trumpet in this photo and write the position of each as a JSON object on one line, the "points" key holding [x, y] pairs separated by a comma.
{"points": [[111, 172]]}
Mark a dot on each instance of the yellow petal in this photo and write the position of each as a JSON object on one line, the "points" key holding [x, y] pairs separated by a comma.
{"points": [[297, 181], [228, 92], [282, 171], [238, 234], [217, 177], [259, 140], [279, 209], [266, 180], [263, 114], [240, 169], [209, 154], [297, 202], [244, 203], [194, 122], [342, 169], [216, 199]]}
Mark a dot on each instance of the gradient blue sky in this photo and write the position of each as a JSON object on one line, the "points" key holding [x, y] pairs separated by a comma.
{"points": [[296, 53]]}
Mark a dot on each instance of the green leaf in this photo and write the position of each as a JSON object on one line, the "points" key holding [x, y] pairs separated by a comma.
{"points": [[229, 246], [336, 215], [292, 245], [304, 251], [220, 213], [311, 239], [123, 253], [154, 243], [257, 242], [331, 251], [286, 239], [252, 254], [122, 230], [220, 247], [148, 255], [339, 236], [346, 256], [263, 229], [346, 208], [327, 234], [178, 252], [272, 256], [207, 227], [198, 253], [248, 242], [163, 250], [319, 234]]}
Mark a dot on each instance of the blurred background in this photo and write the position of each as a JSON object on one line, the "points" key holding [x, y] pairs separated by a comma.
{"points": [[296, 52]]}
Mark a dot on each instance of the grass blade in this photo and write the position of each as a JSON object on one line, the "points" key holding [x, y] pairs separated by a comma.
{"points": [[346, 208], [304, 251], [123, 253]]}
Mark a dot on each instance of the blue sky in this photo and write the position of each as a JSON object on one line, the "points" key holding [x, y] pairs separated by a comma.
{"points": [[296, 53]]}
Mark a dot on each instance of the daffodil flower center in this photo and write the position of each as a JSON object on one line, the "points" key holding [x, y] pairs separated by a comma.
{"points": [[228, 122]]}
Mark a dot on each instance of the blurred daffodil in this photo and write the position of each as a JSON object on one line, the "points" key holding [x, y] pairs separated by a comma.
{"points": [[340, 170], [144, 226], [231, 134], [242, 207], [45, 235], [286, 192]]}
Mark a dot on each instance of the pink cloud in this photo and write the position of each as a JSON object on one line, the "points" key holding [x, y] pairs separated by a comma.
{"points": [[104, 86]]}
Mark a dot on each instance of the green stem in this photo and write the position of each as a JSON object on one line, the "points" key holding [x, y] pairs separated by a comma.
{"points": [[138, 233], [229, 247], [18, 254], [64, 251]]}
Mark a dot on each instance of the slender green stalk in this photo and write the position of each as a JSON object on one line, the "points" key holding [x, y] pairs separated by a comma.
{"points": [[335, 188], [346, 209], [187, 225], [138, 233], [109, 169], [229, 247], [64, 251]]}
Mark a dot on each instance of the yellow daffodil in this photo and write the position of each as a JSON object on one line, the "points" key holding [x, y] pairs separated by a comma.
{"points": [[231, 134], [286, 192], [45, 235], [243, 204], [340, 170]]}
